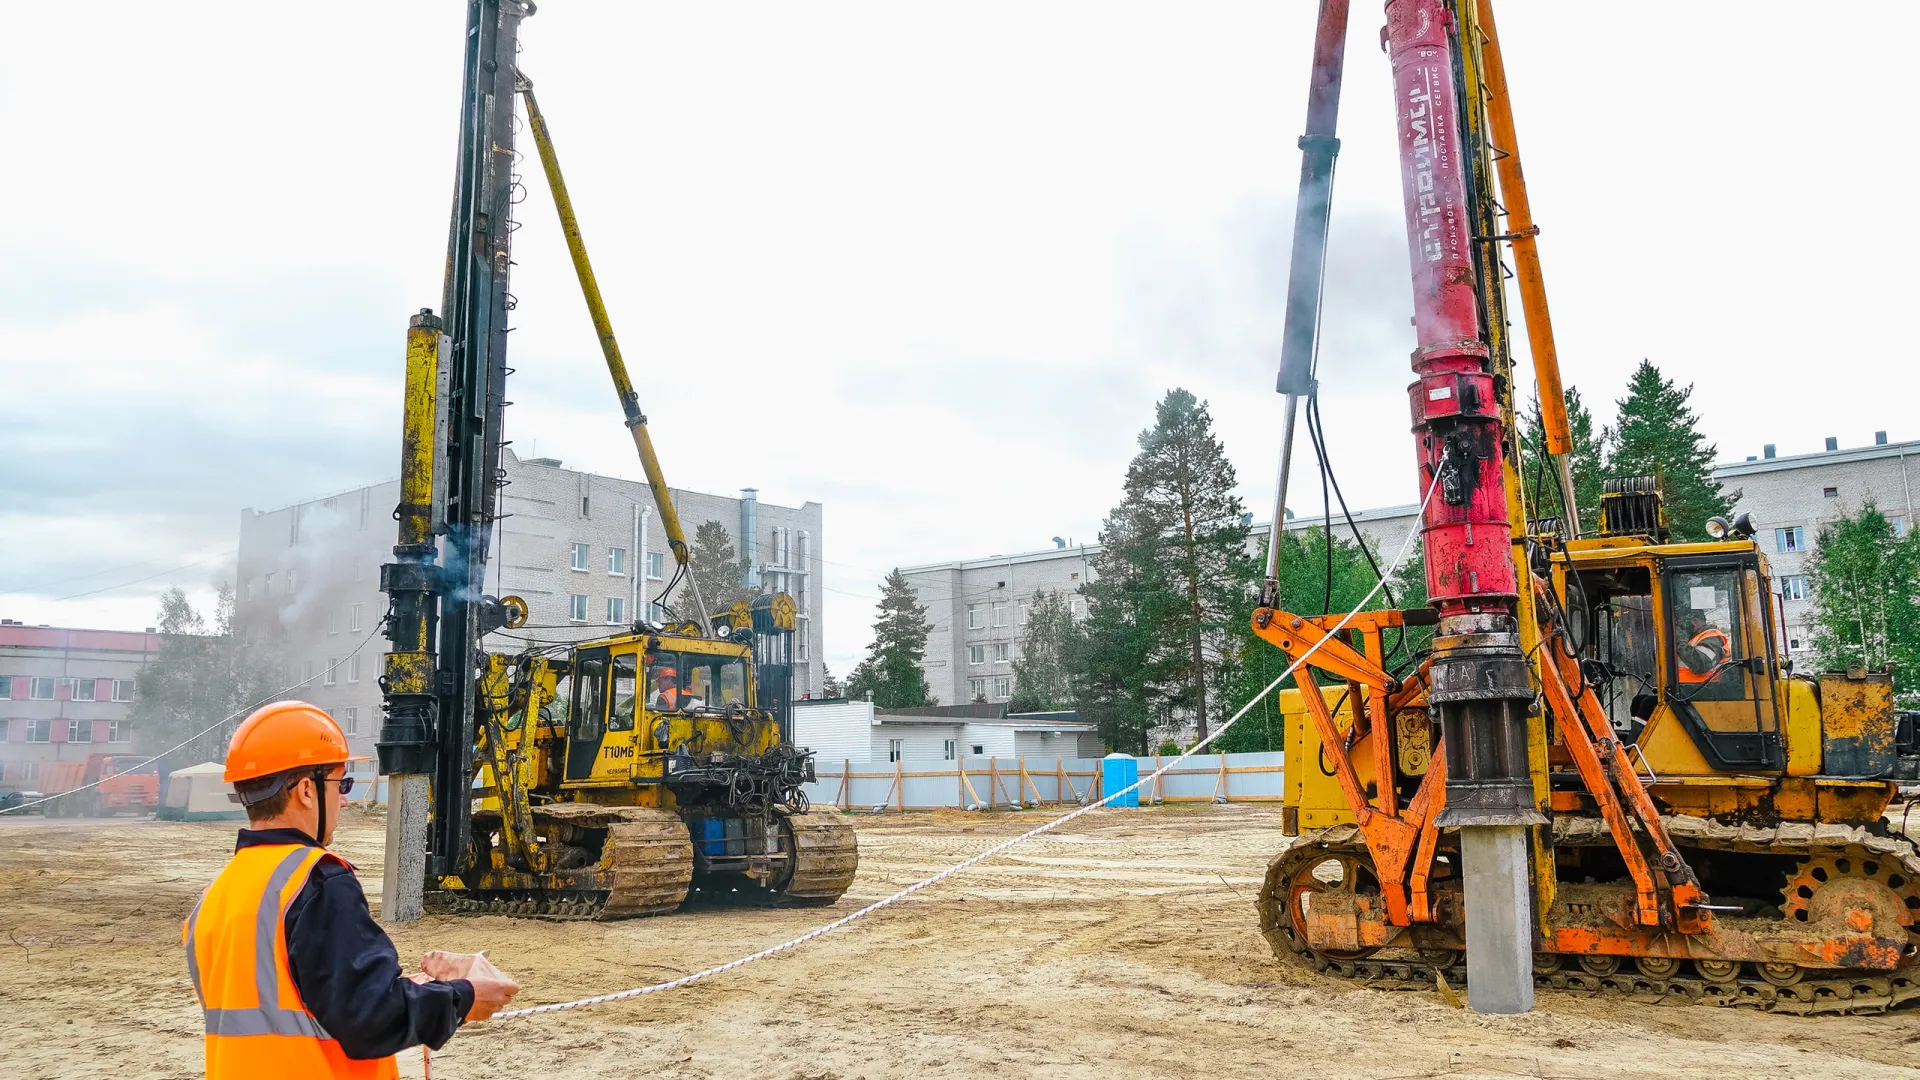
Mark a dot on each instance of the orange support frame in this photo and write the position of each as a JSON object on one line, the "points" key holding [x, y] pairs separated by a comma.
{"points": [[1402, 845]]}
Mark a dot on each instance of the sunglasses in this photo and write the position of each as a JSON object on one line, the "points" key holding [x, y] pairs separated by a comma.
{"points": [[345, 782]]}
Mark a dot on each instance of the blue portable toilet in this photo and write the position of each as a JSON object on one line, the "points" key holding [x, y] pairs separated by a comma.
{"points": [[1119, 771]]}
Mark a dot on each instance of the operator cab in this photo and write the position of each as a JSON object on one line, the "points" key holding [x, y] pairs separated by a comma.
{"points": [[1679, 637]]}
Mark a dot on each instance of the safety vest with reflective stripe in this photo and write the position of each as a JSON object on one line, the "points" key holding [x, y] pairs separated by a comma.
{"points": [[1699, 640], [236, 942]]}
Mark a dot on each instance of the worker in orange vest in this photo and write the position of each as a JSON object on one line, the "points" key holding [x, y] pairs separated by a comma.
{"points": [[294, 977], [1707, 648]]}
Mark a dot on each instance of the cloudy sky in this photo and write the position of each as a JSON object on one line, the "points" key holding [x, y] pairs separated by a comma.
{"points": [[930, 265]]}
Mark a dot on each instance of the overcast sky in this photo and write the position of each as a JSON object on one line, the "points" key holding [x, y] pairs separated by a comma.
{"points": [[928, 265]]}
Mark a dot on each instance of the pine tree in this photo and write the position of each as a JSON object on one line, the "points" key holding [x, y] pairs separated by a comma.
{"points": [[1589, 466], [1252, 663], [1658, 435], [830, 686], [1040, 675], [1866, 597], [717, 568], [1175, 553], [201, 676], [891, 672]]}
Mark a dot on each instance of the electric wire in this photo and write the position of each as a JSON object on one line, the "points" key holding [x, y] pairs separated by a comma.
{"points": [[1049, 826], [275, 696]]}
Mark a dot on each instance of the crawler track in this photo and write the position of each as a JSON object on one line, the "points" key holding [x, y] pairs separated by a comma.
{"points": [[1818, 990]]}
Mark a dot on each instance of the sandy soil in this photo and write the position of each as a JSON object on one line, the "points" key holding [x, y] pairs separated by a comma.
{"points": [[1125, 945]]}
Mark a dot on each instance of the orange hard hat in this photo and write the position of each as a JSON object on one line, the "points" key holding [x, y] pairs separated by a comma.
{"points": [[665, 673], [284, 735]]}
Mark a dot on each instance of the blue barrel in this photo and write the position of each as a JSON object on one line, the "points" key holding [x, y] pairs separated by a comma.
{"points": [[1118, 771]]}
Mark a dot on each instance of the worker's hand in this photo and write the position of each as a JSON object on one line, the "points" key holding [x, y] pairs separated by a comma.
{"points": [[492, 988]]}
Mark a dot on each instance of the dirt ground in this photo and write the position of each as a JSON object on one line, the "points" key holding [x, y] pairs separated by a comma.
{"points": [[1123, 945]]}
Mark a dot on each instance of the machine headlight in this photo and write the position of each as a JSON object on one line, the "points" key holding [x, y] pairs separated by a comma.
{"points": [[1718, 528]]}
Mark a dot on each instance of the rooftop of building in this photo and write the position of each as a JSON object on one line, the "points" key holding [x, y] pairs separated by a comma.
{"points": [[1068, 549], [537, 462], [19, 635], [1768, 461]]}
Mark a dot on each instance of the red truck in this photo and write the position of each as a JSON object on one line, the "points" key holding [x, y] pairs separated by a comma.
{"points": [[126, 783]]}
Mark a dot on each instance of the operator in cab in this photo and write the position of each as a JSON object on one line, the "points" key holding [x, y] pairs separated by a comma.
{"points": [[293, 975], [666, 690], [1706, 649]]}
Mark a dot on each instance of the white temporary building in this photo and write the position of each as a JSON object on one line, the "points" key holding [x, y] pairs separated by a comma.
{"points": [[197, 793], [837, 730]]}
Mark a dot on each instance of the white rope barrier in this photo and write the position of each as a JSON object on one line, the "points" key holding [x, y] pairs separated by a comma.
{"points": [[684, 980]]}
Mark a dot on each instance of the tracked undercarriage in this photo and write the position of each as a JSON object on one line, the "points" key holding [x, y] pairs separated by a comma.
{"points": [[618, 862], [1321, 906]]}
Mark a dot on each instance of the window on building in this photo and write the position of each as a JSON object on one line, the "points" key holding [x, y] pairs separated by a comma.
{"points": [[979, 750], [267, 581], [353, 617], [1003, 687], [246, 590], [617, 561], [333, 622], [83, 689], [586, 506], [350, 721], [999, 613], [1077, 606], [1075, 576], [1794, 587], [976, 654], [616, 610], [40, 689], [1830, 493], [119, 731], [1020, 612], [977, 689], [123, 689], [894, 749], [359, 569], [973, 617], [803, 636], [79, 731], [656, 563], [6, 687], [1899, 527], [1792, 538], [26, 771], [333, 669], [656, 611], [577, 608], [947, 750], [39, 731], [353, 668], [293, 581], [308, 669], [1000, 652], [580, 557]]}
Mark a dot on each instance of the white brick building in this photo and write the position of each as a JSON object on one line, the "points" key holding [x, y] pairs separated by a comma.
{"points": [[1791, 497], [585, 551], [978, 607]]}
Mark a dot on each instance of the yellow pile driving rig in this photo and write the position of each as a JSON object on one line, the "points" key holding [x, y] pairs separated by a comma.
{"points": [[1691, 820]]}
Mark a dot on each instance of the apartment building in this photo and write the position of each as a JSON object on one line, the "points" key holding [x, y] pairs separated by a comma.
{"points": [[65, 693], [1791, 497], [978, 608], [585, 551]]}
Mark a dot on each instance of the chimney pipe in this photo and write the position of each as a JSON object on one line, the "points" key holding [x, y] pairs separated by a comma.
{"points": [[750, 535], [1879, 438], [1767, 451], [1059, 543], [1833, 443]]}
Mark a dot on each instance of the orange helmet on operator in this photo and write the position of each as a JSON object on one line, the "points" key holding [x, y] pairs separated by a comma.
{"points": [[284, 735]]}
